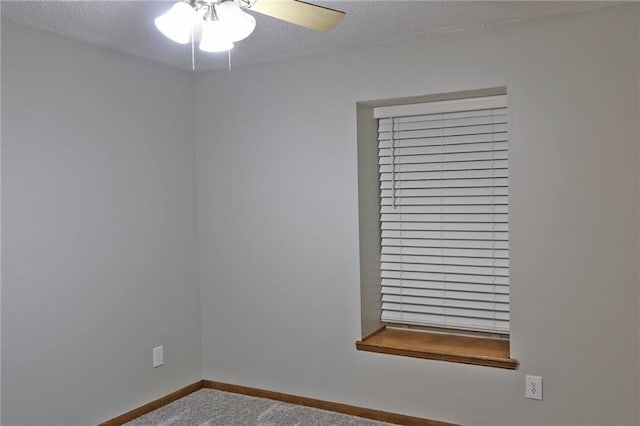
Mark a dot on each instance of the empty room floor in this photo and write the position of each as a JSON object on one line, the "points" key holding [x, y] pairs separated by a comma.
{"points": [[208, 407]]}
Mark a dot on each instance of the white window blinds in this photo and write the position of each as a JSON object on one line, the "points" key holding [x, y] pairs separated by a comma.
{"points": [[444, 214]]}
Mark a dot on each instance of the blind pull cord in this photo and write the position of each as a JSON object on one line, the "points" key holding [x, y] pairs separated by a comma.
{"points": [[493, 213], [193, 52], [441, 207], [393, 162], [394, 143]]}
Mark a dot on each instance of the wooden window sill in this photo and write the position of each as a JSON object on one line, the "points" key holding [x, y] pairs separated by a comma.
{"points": [[444, 347]]}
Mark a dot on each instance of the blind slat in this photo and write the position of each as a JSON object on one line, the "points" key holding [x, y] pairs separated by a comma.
{"points": [[439, 140], [444, 158], [487, 271], [480, 293], [449, 300], [485, 296], [449, 131], [426, 123], [445, 226], [446, 260], [434, 170], [439, 149], [471, 209], [452, 200], [445, 321], [446, 218], [402, 285], [446, 116], [446, 311], [431, 238], [446, 252], [445, 192], [448, 277], [441, 175], [403, 183]]}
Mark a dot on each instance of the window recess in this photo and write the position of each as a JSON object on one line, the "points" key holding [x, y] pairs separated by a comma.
{"points": [[443, 223]]}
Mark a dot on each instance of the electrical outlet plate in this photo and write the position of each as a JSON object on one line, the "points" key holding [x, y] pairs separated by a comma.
{"points": [[158, 356], [533, 387]]}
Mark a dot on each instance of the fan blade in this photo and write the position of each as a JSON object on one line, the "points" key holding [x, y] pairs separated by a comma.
{"points": [[296, 12]]}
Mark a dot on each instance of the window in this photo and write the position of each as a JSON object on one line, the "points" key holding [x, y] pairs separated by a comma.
{"points": [[443, 216]]}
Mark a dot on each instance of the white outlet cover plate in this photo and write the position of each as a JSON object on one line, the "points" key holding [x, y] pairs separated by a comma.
{"points": [[158, 356], [533, 387]]}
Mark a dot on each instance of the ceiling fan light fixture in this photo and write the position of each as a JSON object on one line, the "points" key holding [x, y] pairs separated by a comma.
{"points": [[177, 23], [217, 24], [214, 38], [238, 24]]}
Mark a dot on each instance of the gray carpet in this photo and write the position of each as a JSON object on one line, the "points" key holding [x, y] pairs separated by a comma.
{"points": [[208, 407]]}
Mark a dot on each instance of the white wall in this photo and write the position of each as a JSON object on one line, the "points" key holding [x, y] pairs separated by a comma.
{"points": [[99, 231], [278, 231]]}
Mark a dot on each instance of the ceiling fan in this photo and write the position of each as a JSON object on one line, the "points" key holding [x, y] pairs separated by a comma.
{"points": [[217, 24]]}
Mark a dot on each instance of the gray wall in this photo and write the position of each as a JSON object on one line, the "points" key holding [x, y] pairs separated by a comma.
{"points": [[99, 227], [278, 221], [99, 231]]}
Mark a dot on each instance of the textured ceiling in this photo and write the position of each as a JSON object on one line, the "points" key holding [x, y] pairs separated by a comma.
{"points": [[128, 26]]}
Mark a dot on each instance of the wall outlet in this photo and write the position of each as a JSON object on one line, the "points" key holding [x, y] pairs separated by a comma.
{"points": [[158, 356], [533, 387]]}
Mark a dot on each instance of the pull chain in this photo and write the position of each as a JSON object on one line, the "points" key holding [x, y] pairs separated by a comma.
{"points": [[393, 162], [443, 270], [193, 52]]}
